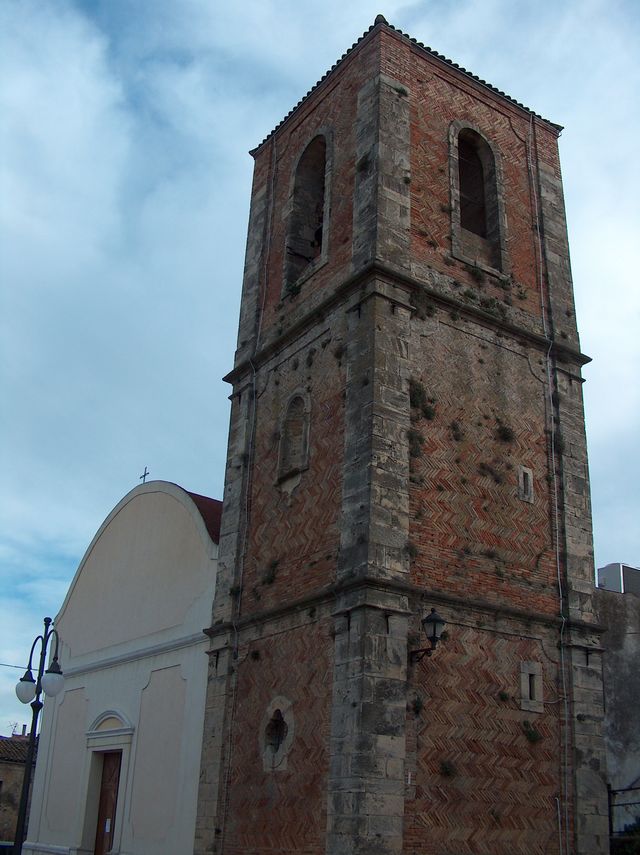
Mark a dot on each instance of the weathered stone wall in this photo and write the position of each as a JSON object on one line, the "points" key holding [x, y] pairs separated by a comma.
{"points": [[446, 466]]}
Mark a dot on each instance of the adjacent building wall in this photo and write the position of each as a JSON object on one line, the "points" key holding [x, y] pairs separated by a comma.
{"points": [[620, 615]]}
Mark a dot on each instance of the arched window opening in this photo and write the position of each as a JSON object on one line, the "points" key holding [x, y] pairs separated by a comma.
{"points": [[473, 208], [294, 439], [276, 731], [305, 234], [477, 215]]}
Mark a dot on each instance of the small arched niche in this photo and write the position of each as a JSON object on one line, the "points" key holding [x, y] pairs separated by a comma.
{"points": [[276, 735], [294, 438]]}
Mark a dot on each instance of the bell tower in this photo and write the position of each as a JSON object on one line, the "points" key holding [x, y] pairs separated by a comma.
{"points": [[406, 433]]}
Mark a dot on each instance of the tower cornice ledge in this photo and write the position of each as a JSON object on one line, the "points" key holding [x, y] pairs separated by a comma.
{"points": [[371, 280], [396, 587]]}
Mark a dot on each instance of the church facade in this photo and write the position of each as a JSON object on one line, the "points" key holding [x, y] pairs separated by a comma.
{"points": [[119, 749], [406, 434]]}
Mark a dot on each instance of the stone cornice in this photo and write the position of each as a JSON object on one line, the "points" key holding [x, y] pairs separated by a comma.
{"points": [[328, 595], [367, 276]]}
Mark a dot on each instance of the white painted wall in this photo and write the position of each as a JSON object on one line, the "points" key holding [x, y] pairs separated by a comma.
{"points": [[133, 655]]}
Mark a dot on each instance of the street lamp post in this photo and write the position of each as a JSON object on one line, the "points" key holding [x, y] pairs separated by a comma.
{"points": [[29, 690]]}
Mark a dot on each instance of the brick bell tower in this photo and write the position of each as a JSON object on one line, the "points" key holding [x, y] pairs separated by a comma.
{"points": [[406, 433]]}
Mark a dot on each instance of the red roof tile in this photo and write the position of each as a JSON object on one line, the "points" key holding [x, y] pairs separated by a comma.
{"points": [[210, 511], [13, 749]]}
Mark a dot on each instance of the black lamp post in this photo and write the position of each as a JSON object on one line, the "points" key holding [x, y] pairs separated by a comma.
{"points": [[433, 625], [29, 690]]}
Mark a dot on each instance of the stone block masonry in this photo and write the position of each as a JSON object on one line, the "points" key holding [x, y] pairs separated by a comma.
{"points": [[440, 461]]}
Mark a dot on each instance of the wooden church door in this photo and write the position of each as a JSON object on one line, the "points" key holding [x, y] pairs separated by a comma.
{"points": [[108, 800]]}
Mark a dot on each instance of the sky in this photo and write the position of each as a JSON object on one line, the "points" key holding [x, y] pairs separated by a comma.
{"points": [[125, 127]]}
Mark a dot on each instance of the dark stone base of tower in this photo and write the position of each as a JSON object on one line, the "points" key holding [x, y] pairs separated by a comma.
{"points": [[406, 433]]}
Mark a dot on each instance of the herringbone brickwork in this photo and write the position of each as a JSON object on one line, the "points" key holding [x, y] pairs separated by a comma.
{"points": [[294, 534], [473, 534], [282, 810], [480, 783]]}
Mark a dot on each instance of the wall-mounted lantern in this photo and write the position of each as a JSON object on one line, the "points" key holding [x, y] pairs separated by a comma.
{"points": [[433, 625]]}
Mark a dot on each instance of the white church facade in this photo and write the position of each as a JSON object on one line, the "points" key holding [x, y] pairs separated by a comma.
{"points": [[119, 754]]}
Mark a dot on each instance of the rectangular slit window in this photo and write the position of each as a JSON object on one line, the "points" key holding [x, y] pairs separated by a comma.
{"points": [[531, 687], [525, 484]]}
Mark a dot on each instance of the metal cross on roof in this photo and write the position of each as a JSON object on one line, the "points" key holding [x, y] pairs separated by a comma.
{"points": [[143, 477]]}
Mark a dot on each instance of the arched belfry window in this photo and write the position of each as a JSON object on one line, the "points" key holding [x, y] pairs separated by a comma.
{"points": [[477, 207], [473, 201], [307, 222], [294, 438]]}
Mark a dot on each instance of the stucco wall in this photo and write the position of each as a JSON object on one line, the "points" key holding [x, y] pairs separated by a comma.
{"points": [[133, 654]]}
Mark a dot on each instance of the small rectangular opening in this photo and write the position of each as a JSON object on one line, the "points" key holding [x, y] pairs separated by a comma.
{"points": [[525, 484], [531, 687]]}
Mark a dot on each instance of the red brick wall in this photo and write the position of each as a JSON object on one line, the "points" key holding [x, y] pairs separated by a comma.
{"points": [[332, 106], [439, 95], [285, 810], [478, 783], [297, 529], [474, 536]]}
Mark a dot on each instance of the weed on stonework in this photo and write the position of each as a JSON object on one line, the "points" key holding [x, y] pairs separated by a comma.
{"points": [[416, 441], [488, 470], [269, 575], [477, 274], [420, 403], [505, 433], [493, 307], [447, 768], [417, 705], [532, 733], [456, 431], [424, 308]]}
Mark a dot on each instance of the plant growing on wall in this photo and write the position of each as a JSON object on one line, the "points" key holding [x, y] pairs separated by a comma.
{"points": [[416, 441], [531, 732], [269, 575], [420, 403], [447, 768]]}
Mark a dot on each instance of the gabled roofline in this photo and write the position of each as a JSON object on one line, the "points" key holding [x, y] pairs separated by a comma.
{"points": [[204, 511], [379, 23]]}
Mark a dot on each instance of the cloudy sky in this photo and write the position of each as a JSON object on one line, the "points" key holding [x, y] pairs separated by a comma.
{"points": [[124, 191]]}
